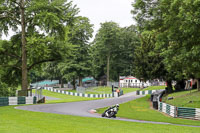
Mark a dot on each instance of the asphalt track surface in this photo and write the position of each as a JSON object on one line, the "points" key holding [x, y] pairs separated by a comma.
{"points": [[85, 108]]}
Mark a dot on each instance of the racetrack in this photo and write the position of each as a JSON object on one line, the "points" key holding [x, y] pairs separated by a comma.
{"points": [[83, 108]]}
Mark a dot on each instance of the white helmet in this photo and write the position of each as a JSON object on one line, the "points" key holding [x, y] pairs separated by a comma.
{"points": [[117, 105]]}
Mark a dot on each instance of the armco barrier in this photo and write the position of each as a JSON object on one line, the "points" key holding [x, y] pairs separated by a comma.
{"points": [[5, 101], [80, 94], [167, 109], [180, 112], [173, 111]]}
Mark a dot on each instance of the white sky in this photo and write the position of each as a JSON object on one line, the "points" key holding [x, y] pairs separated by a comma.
{"points": [[100, 11]]}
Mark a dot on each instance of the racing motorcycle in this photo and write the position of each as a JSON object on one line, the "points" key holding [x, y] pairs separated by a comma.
{"points": [[111, 112]]}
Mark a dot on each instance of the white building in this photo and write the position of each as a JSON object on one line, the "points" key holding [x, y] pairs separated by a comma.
{"points": [[131, 81]]}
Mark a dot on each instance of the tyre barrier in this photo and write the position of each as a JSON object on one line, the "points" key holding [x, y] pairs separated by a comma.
{"points": [[6, 101], [79, 94]]}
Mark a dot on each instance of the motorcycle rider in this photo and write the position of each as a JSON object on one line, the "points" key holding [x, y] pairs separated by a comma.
{"points": [[111, 112]]}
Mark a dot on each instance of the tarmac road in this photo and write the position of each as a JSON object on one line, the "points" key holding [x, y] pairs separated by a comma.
{"points": [[85, 108], [82, 108]]}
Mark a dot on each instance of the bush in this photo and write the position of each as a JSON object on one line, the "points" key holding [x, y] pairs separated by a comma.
{"points": [[6, 91]]}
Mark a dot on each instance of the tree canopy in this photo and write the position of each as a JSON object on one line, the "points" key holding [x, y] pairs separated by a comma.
{"points": [[112, 51], [41, 28], [174, 26]]}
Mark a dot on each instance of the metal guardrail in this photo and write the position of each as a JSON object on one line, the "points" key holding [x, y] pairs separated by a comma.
{"points": [[179, 112], [173, 111]]}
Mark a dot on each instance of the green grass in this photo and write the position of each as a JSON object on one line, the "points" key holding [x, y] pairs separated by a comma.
{"points": [[64, 98], [140, 109], [155, 88], [127, 90], [19, 121], [99, 90], [105, 90], [184, 99]]}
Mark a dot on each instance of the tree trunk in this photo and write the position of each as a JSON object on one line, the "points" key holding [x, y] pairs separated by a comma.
{"points": [[24, 58], [61, 83], [198, 84], [74, 83], [108, 68], [169, 88], [80, 81]]}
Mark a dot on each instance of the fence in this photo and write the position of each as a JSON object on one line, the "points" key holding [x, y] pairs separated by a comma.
{"points": [[79, 94], [167, 109], [145, 92], [173, 111], [133, 85], [180, 112], [116, 84], [5, 101]]}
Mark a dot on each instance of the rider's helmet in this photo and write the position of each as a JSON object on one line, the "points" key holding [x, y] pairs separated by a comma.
{"points": [[117, 105]]}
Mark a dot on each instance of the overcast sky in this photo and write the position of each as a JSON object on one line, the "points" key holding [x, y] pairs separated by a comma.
{"points": [[100, 11]]}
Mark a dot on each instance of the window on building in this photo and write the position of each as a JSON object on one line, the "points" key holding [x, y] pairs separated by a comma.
{"points": [[135, 81]]}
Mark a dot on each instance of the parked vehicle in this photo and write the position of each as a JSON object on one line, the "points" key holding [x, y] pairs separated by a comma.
{"points": [[111, 112]]}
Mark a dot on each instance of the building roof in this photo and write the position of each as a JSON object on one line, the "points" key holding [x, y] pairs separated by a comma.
{"points": [[128, 77], [87, 79]]}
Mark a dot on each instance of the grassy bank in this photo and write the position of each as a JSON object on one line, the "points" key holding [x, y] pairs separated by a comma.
{"points": [[140, 109], [155, 88], [64, 98], [19, 121], [190, 98], [106, 90]]}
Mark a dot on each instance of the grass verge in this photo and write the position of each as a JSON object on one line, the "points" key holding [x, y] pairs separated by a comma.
{"points": [[190, 98], [105, 90], [140, 109], [64, 98], [19, 121], [155, 88]]}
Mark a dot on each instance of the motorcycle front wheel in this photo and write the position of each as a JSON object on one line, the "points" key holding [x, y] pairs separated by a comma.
{"points": [[103, 115]]}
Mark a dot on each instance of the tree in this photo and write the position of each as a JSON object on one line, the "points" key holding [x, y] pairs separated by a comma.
{"points": [[148, 57], [77, 65], [124, 59], [6, 90], [106, 44], [37, 22], [148, 61], [174, 23], [80, 63]]}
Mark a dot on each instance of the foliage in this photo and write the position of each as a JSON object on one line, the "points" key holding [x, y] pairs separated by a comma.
{"points": [[104, 48], [112, 50], [41, 33], [6, 91], [78, 66], [173, 24]]}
